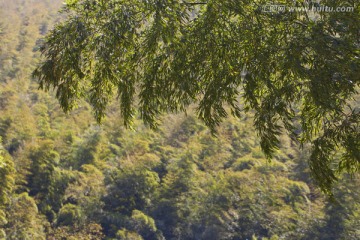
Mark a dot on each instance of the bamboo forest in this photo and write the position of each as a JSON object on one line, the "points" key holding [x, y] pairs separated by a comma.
{"points": [[178, 120]]}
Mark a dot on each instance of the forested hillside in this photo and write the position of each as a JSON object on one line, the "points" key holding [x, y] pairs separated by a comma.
{"points": [[63, 176]]}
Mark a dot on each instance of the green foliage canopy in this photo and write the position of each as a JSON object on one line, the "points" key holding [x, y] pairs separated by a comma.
{"points": [[296, 72], [7, 182]]}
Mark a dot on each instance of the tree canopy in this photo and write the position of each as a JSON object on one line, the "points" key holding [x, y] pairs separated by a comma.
{"points": [[296, 72]]}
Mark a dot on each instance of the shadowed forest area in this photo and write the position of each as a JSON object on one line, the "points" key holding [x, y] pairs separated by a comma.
{"points": [[64, 176]]}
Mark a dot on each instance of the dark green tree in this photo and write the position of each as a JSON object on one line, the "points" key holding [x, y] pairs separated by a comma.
{"points": [[44, 181], [131, 189]]}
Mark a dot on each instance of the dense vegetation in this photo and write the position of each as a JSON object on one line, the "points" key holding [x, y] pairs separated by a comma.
{"points": [[63, 176], [297, 71]]}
